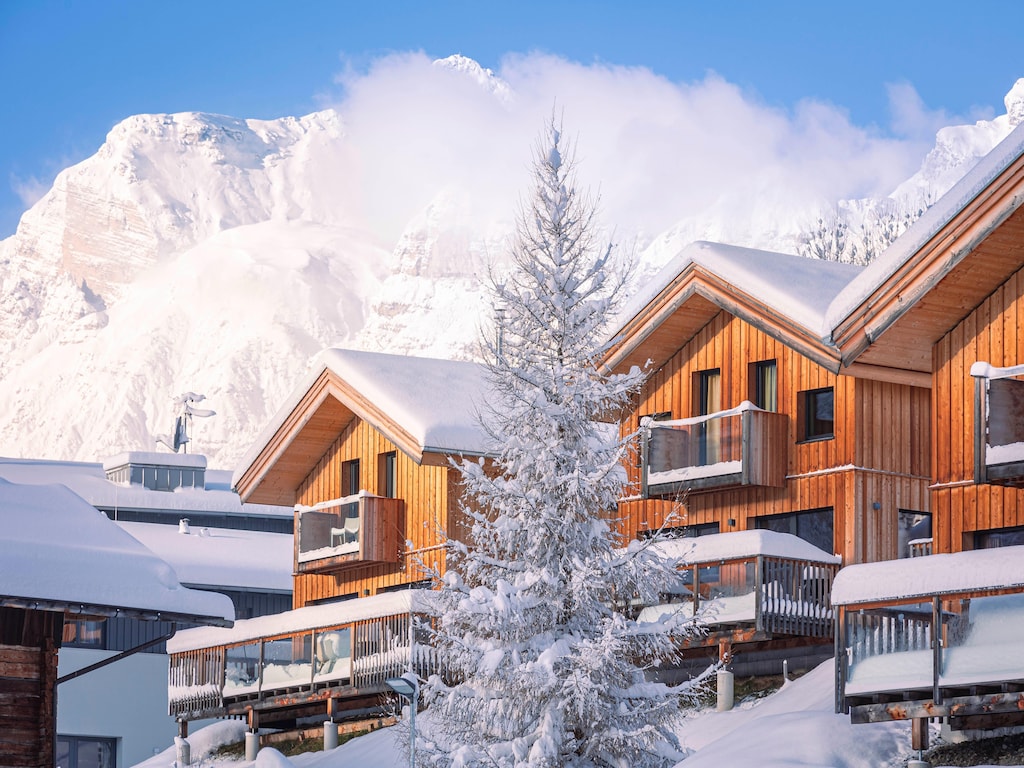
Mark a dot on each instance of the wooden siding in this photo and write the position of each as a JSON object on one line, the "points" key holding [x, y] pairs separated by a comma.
{"points": [[992, 333], [425, 491], [28, 678], [878, 453]]}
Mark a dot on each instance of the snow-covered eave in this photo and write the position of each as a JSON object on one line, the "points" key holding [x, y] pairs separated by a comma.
{"points": [[700, 289], [917, 578], [305, 619], [741, 545], [77, 608], [930, 249]]}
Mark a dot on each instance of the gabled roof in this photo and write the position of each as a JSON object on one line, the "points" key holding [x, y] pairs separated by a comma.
{"points": [[939, 270], [60, 554], [427, 407], [785, 296]]}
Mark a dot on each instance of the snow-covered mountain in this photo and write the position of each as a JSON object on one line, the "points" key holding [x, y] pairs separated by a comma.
{"points": [[196, 252]]}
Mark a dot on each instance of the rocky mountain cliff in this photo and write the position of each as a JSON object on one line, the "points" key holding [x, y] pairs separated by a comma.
{"points": [[203, 253]]}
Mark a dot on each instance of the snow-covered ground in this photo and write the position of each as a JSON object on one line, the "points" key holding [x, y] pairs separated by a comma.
{"points": [[793, 728]]}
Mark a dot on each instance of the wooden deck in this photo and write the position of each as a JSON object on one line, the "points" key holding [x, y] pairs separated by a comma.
{"points": [[952, 651], [273, 670], [751, 587]]}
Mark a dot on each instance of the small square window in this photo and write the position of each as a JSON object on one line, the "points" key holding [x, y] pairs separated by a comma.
{"points": [[816, 415]]}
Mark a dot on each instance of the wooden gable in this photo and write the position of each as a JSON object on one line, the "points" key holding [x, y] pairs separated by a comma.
{"points": [[941, 283]]}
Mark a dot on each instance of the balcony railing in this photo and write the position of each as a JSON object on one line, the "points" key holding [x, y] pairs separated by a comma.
{"points": [[301, 655], [742, 446], [999, 425], [350, 531], [766, 582], [926, 637]]}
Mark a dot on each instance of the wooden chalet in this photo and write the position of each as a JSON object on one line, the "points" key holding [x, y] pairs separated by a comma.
{"points": [[750, 420], [364, 452], [947, 301], [64, 562]]}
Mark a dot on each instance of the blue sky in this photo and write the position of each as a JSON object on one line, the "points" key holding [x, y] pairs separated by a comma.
{"points": [[72, 69]]}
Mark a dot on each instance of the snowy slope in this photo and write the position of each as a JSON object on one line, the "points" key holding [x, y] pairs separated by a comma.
{"points": [[197, 252]]}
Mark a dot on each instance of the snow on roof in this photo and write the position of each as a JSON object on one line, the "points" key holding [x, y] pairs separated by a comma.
{"points": [[975, 570], [191, 460], [435, 400], [89, 481], [739, 544], [984, 370], [216, 557], [57, 549], [308, 618], [926, 227], [796, 287]]}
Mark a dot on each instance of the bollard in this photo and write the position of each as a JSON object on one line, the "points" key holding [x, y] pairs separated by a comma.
{"points": [[330, 735], [252, 745], [725, 690], [183, 751]]}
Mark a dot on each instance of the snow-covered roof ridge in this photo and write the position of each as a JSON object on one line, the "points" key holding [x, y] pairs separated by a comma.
{"points": [[308, 618], [926, 227], [974, 570], [436, 401], [796, 287], [742, 544], [57, 550]]}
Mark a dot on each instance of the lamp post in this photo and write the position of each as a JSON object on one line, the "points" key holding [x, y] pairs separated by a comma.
{"points": [[408, 686]]}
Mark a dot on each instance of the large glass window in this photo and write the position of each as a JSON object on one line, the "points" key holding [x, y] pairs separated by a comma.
{"points": [[817, 414], [914, 533], [388, 469], [86, 752], [814, 526], [1001, 537], [709, 400], [764, 385]]}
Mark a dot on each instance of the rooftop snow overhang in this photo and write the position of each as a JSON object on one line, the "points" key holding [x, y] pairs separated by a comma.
{"points": [[283, 458], [960, 260], [688, 303], [92, 610]]}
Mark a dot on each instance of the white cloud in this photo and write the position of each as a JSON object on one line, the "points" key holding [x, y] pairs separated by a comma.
{"points": [[657, 151], [29, 190]]}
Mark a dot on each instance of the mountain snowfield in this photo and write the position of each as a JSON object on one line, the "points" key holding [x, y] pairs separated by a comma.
{"points": [[203, 253]]}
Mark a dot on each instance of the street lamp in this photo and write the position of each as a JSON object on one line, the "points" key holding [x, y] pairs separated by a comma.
{"points": [[408, 686]]}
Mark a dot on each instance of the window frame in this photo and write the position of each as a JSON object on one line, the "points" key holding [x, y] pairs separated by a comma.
{"points": [[808, 404]]}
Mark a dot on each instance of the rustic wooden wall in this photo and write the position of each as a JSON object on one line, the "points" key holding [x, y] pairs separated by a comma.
{"points": [[992, 333], [879, 452], [28, 678], [425, 490]]}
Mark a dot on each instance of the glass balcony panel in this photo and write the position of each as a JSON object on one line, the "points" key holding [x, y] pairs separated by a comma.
{"points": [[287, 662], [242, 669]]}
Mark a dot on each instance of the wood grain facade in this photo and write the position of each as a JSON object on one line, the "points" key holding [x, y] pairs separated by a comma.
{"points": [[875, 464], [956, 299], [371, 441], [429, 507]]}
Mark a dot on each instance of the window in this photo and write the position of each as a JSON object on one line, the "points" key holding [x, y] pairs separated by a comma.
{"points": [[814, 526], [684, 531], [350, 477], [84, 634], [85, 752], [816, 414], [709, 400], [912, 527], [386, 478], [764, 385], [1002, 537]]}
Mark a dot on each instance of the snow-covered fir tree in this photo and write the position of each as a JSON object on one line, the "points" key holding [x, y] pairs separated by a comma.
{"points": [[541, 666]]}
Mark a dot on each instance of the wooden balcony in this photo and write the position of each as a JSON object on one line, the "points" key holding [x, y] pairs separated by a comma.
{"points": [[348, 532], [301, 662], [750, 587], [934, 636], [742, 446], [999, 425]]}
